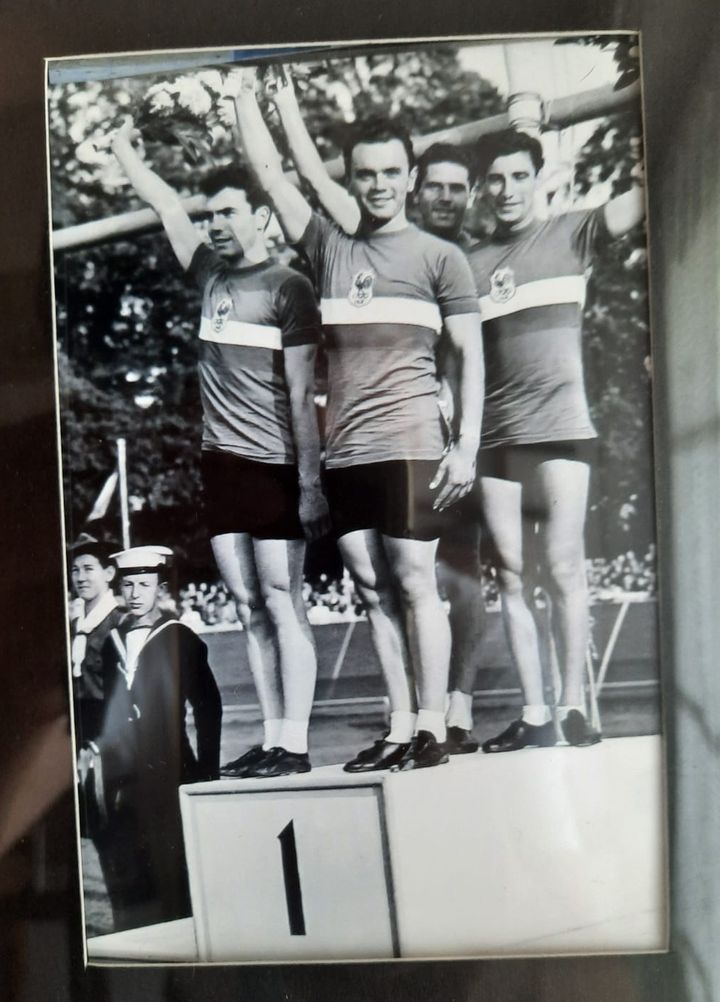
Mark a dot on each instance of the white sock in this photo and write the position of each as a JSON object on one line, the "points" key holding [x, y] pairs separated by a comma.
{"points": [[459, 712], [564, 710], [293, 736], [433, 721], [536, 714], [402, 727], [272, 733]]}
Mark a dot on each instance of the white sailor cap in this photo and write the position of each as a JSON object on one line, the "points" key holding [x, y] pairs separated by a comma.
{"points": [[142, 559]]}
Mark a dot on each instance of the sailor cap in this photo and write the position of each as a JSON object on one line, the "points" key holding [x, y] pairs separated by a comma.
{"points": [[142, 559]]}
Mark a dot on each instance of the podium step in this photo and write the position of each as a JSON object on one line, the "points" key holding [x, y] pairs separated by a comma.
{"points": [[557, 850]]}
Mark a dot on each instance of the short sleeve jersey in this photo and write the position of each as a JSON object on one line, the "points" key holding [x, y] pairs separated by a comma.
{"points": [[531, 286], [383, 299], [249, 316]]}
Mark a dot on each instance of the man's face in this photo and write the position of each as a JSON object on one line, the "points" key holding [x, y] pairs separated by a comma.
{"points": [[90, 579], [510, 185], [141, 593], [234, 227], [380, 178], [443, 198]]}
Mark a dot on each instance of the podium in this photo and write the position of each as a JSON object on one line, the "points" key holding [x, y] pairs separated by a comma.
{"points": [[542, 851]]}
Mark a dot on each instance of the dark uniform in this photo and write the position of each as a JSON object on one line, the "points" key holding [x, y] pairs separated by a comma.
{"points": [[88, 679], [144, 755]]}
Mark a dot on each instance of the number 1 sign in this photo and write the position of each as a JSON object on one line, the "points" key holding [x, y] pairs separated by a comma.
{"points": [[289, 873]]}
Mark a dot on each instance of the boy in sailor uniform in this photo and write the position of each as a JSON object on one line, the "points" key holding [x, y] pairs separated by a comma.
{"points": [[154, 666], [92, 573]]}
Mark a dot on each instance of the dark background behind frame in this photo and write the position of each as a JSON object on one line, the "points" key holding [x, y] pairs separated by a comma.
{"points": [[40, 932]]}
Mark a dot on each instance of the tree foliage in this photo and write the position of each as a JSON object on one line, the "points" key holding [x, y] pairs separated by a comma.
{"points": [[127, 317]]}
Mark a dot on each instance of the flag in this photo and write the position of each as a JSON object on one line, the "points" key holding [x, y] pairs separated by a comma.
{"points": [[103, 499]]}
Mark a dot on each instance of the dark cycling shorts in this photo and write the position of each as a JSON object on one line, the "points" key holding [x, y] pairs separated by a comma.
{"points": [[243, 495], [502, 461], [393, 497]]}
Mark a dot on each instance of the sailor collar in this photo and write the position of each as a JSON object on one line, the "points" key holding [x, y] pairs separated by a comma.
{"points": [[135, 642]]}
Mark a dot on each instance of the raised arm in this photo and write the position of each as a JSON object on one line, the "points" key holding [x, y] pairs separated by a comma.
{"points": [[334, 198], [289, 204], [456, 473], [623, 213], [180, 230]]}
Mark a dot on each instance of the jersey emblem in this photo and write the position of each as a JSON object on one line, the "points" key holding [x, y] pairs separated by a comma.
{"points": [[220, 316], [361, 290], [502, 285]]}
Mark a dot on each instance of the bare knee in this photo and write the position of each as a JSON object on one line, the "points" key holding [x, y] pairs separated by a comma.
{"points": [[566, 576], [416, 585], [376, 596], [250, 609], [511, 581], [277, 600]]}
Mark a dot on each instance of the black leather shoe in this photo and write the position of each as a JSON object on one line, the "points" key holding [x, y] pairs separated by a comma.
{"points": [[578, 732], [239, 766], [424, 752], [382, 755], [460, 742], [519, 735], [280, 762]]}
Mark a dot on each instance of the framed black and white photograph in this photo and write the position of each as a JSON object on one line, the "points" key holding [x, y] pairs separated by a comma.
{"points": [[473, 757], [354, 380]]}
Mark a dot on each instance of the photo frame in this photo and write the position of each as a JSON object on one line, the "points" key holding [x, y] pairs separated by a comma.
{"points": [[655, 975], [178, 101]]}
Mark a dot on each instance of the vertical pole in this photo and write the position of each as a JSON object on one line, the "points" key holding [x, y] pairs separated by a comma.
{"points": [[122, 475]]}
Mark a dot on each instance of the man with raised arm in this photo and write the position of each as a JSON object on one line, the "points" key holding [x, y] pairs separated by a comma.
{"points": [[261, 451], [537, 434], [385, 294], [442, 195]]}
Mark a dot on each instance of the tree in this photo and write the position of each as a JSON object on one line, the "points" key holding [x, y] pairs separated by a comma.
{"points": [[616, 328], [126, 317]]}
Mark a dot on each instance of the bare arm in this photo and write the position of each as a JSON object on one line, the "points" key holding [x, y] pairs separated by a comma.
{"points": [[181, 233], [456, 473], [289, 204], [300, 378], [623, 213], [334, 198]]}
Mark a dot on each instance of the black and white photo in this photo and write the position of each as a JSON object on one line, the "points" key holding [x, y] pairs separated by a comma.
{"points": [[354, 381]]}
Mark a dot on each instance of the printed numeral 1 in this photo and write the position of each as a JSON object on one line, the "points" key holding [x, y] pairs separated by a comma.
{"points": [[291, 874]]}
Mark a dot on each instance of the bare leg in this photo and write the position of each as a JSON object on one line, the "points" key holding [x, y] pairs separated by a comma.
{"points": [[236, 562], [461, 581], [563, 485], [363, 555], [412, 562], [279, 564], [502, 505]]}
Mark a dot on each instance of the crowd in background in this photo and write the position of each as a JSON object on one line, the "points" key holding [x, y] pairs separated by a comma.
{"points": [[209, 604]]}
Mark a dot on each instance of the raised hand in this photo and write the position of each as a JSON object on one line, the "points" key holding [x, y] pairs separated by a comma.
{"points": [[278, 84]]}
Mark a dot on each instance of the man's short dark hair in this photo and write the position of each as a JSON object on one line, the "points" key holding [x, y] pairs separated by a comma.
{"points": [[503, 144], [444, 153], [376, 130], [234, 176]]}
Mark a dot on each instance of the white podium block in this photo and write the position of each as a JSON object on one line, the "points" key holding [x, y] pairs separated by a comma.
{"points": [[545, 851], [289, 870]]}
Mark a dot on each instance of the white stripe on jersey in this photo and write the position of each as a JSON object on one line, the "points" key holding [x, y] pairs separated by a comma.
{"points": [[382, 310], [241, 333], [544, 292]]}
